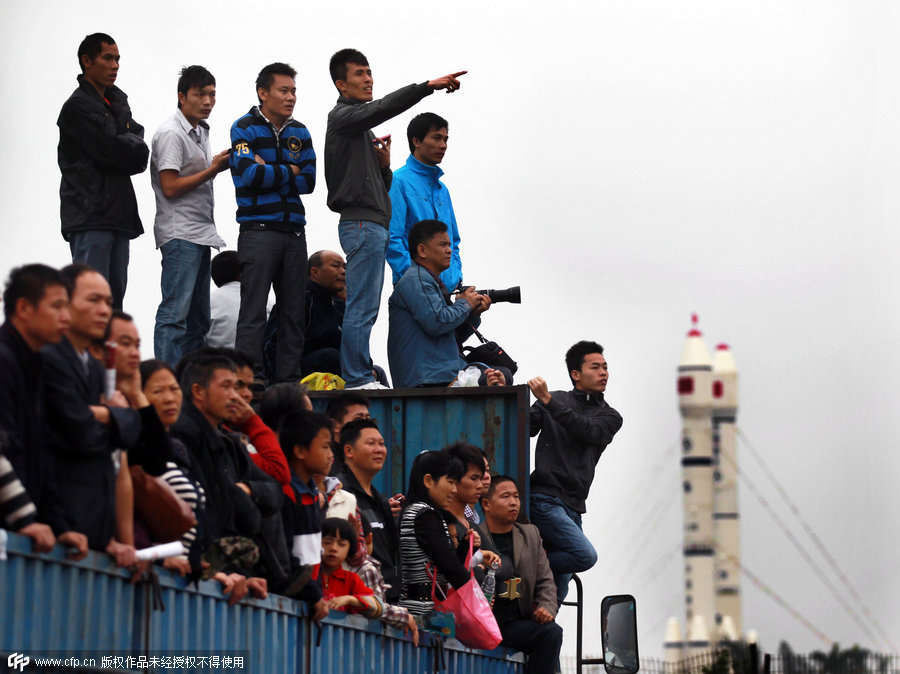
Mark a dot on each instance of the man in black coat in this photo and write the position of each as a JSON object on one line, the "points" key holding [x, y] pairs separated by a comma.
{"points": [[85, 427], [36, 308], [100, 148], [241, 500]]}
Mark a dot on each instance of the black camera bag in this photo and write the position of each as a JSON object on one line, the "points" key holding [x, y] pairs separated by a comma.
{"points": [[489, 353]]}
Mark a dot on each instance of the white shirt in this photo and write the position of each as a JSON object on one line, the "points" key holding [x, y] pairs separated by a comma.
{"points": [[178, 146]]}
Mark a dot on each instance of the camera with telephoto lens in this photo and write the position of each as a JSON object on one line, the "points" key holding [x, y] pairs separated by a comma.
{"points": [[512, 295]]}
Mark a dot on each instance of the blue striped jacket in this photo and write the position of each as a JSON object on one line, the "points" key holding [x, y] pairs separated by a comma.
{"points": [[269, 194]]}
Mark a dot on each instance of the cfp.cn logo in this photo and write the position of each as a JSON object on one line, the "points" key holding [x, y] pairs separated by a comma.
{"points": [[16, 661]]}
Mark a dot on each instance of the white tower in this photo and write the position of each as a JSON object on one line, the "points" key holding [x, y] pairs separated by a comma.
{"points": [[726, 525], [673, 645], [695, 401]]}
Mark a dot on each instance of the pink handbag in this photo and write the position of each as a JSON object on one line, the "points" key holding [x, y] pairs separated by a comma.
{"points": [[476, 626]]}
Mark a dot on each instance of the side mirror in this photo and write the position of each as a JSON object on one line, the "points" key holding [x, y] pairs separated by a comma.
{"points": [[618, 621]]}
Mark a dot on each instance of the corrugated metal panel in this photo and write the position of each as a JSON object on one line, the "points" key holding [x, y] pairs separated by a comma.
{"points": [[197, 618], [52, 605], [461, 660], [413, 420]]}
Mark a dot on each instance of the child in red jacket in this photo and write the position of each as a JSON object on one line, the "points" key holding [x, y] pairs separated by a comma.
{"points": [[342, 589]]}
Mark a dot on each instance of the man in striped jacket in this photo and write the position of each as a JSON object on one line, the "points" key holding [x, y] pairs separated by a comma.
{"points": [[272, 164]]}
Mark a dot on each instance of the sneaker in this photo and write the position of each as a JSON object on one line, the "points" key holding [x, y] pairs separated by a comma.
{"points": [[370, 386]]}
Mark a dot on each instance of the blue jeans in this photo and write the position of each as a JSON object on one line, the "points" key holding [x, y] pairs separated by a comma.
{"points": [[365, 245], [107, 252], [568, 549], [182, 319]]}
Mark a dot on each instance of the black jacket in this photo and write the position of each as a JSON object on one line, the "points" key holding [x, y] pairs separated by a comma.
{"points": [[219, 462], [575, 428], [100, 148], [83, 446], [385, 537], [24, 422], [324, 317]]}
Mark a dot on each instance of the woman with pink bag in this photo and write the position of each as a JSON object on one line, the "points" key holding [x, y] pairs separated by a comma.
{"points": [[425, 543]]}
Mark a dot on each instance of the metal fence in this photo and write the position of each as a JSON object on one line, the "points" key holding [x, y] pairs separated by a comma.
{"points": [[851, 661], [90, 618]]}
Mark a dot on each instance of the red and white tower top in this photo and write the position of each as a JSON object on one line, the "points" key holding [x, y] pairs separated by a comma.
{"points": [[694, 355]]}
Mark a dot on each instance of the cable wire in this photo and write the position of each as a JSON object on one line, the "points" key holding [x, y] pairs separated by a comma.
{"points": [[817, 541], [802, 550]]}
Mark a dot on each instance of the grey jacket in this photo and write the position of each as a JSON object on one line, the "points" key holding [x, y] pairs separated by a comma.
{"points": [[357, 185], [537, 589]]}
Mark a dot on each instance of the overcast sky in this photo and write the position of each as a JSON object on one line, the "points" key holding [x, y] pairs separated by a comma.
{"points": [[627, 163]]}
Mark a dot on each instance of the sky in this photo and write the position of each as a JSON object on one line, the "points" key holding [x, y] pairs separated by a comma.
{"points": [[627, 164]]}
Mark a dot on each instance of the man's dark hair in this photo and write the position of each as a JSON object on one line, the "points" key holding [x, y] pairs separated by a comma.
{"points": [[576, 354], [117, 314], [200, 371], [199, 354], [421, 125], [194, 76], [267, 75], [299, 429], [338, 64], [341, 528], [73, 271], [496, 481], [121, 315], [225, 268], [351, 431], [422, 232], [280, 400], [239, 358], [92, 45], [338, 406], [30, 281], [469, 455]]}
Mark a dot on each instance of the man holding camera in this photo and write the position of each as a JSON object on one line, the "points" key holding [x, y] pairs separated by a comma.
{"points": [[424, 324]]}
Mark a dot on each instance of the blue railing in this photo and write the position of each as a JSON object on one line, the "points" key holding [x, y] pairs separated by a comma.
{"points": [[51, 606]]}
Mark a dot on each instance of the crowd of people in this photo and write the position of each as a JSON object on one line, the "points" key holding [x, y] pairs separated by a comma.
{"points": [[273, 165], [271, 496]]}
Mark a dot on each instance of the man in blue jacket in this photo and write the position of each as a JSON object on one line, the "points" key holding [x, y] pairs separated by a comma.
{"points": [[417, 193], [423, 321], [272, 164]]}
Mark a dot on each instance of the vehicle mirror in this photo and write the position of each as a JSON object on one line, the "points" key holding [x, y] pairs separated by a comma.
{"points": [[618, 620]]}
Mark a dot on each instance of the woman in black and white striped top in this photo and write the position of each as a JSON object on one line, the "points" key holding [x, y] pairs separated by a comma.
{"points": [[424, 535], [164, 393]]}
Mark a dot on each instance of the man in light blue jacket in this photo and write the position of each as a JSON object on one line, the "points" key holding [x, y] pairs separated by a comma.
{"points": [[424, 323], [417, 193]]}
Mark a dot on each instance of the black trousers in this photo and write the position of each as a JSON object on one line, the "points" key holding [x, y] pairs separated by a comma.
{"points": [[541, 643], [273, 259]]}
